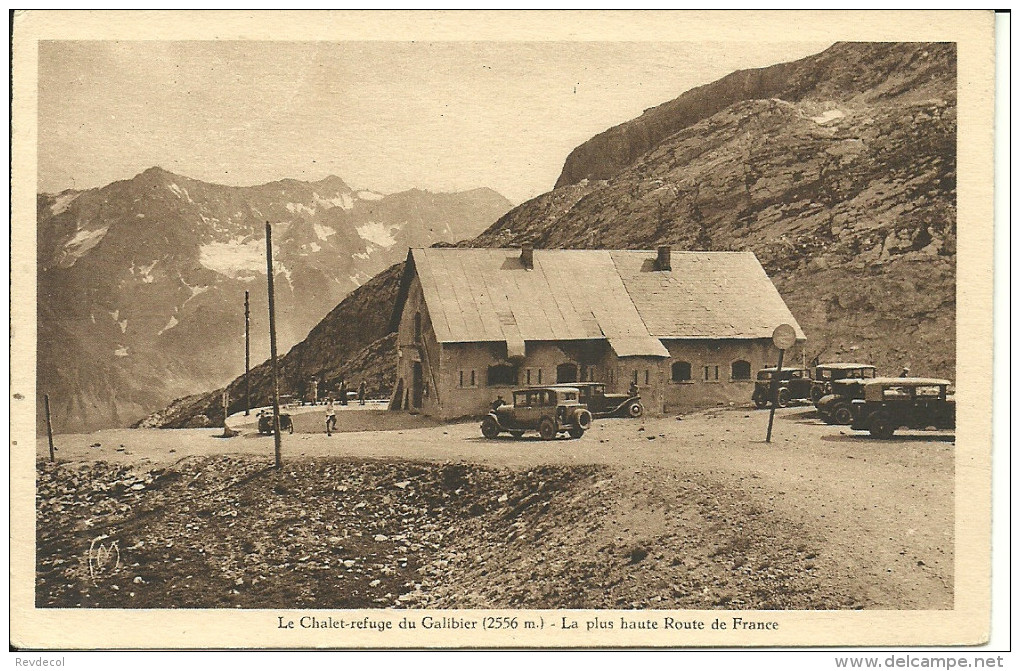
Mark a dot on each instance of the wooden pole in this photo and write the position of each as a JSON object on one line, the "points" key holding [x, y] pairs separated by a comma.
{"points": [[226, 411], [277, 438], [247, 356], [49, 425], [772, 394]]}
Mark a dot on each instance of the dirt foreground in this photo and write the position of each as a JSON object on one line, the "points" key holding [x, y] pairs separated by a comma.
{"points": [[696, 512]]}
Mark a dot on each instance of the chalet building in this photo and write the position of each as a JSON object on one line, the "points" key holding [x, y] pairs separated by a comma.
{"points": [[689, 328]]}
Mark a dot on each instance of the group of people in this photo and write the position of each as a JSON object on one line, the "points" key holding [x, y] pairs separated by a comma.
{"points": [[331, 410]]}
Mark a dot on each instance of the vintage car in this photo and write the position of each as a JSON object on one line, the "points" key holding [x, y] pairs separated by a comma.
{"points": [[600, 404], [266, 423], [834, 407], [548, 410], [791, 384], [827, 373], [890, 403]]}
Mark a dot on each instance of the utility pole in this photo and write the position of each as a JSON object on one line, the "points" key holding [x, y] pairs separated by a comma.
{"points": [[49, 426], [247, 355], [272, 348]]}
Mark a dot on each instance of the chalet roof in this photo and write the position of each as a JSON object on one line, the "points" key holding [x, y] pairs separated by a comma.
{"points": [[476, 295], [705, 295]]}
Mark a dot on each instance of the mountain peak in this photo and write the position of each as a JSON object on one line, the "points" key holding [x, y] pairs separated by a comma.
{"points": [[156, 172], [333, 182]]}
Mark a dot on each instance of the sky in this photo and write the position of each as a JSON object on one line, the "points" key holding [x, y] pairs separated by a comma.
{"points": [[387, 116]]}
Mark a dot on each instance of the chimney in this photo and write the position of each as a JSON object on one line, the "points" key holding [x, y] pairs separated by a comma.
{"points": [[662, 262], [527, 255]]}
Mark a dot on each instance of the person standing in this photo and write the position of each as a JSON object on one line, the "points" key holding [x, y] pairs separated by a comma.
{"points": [[362, 388], [330, 417], [343, 392]]}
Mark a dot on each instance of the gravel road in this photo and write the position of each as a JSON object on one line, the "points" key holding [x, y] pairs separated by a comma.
{"points": [[869, 522]]}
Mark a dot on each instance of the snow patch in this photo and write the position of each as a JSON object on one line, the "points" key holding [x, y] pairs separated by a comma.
{"points": [[123, 325], [169, 325], [139, 216], [295, 208], [79, 244], [343, 201], [826, 117], [314, 246], [378, 233], [121, 351], [323, 232], [370, 195], [181, 193], [234, 259], [62, 202], [146, 271]]}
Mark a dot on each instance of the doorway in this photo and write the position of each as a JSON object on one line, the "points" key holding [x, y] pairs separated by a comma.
{"points": [[417, 386]]}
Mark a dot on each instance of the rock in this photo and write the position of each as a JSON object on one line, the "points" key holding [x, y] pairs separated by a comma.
{"points": [[380, 538], [375, 583]]}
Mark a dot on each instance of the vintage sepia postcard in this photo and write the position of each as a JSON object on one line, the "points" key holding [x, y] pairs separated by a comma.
{"points": [[501, 329]]}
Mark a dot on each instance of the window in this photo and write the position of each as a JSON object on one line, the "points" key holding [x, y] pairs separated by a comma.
{"points": [[466, 378], [740, 370], [681, 371], [646, 377], [635, 376], [711, 373], [527, 376], [540, 376], [501, 375], [566, 372]]}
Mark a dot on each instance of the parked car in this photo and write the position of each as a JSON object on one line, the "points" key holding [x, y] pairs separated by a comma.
{"points": [[827, 373], [601, 404], [266, 423], [791, 384], [890, 403], [548, 410], [834, 408]]}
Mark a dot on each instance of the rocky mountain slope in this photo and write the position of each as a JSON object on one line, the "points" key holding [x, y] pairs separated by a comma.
{"points": [[141, 283], [838, 171]]}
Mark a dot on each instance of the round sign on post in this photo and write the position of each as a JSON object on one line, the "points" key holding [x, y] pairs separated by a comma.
{"points": [[784, 337]]}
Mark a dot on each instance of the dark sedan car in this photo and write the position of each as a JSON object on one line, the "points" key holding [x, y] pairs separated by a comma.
{"points": [[912, 402], [791, 384], [602, 404]]}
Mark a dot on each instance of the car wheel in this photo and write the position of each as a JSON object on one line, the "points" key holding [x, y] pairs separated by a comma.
{"points": [[842, 415], [635, 409], [490, 429], [575, 432], [582, 420], [760, 403], [816, 395], [880, 425], [783, 397], [547, 429], [516, 434]]}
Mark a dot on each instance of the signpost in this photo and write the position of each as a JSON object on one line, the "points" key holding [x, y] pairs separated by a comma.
{"points": [[784, 337]]}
